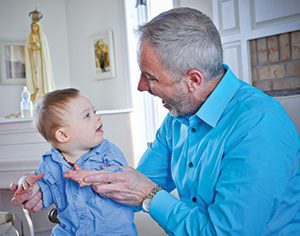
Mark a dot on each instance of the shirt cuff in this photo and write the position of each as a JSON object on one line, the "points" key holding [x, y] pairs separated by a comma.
{"points": [[160, 205]]}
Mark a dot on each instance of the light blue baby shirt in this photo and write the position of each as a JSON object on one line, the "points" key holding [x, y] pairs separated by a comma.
{"points": [[82, 211], [235, 165]]}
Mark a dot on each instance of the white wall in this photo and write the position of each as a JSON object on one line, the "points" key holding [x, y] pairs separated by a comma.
{"points": [[202, 5], [292, 106], [68, 25], [89, 18], [15, 25]]}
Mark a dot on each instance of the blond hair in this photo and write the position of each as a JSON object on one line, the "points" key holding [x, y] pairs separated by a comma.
{"points": [[50, 110]]}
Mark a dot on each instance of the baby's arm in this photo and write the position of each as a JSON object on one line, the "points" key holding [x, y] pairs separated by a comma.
{"points": [[28, 182]]}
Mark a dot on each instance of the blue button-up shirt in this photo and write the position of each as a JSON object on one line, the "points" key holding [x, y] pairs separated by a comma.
{"points": [[82, 211], [235, 165]]}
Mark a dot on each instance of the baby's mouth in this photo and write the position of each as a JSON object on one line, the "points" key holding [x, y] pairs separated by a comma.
{"points": [[100, 128]]}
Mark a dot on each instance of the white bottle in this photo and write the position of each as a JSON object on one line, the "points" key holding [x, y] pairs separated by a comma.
{"points": [[26, 104]]}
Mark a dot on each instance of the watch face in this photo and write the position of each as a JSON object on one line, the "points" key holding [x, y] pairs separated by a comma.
{"points": [[146, 204]]}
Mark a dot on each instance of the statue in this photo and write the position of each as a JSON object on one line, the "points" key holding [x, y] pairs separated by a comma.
{"points": [[39, 76]]}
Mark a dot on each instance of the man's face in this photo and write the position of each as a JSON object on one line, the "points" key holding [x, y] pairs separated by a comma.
{"points": [[156, 80]]}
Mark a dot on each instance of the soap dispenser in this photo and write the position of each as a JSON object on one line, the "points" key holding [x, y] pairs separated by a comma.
{"points": [[26, 104]]}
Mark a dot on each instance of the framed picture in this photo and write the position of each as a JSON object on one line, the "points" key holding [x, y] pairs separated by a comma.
{"points": [[102, 51], [12, 60]]}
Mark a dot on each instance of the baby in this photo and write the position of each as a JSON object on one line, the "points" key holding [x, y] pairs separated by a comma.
{"points": [[67, 120]]}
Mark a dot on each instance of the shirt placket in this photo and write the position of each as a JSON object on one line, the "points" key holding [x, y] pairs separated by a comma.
{"points": [[192, 146]]}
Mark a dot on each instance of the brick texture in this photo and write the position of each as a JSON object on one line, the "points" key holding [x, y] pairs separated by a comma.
{"points": [[284, 47], [293, 68], [262, 51], [271, 71], [273, 49], [295, 39], [275, 63]]}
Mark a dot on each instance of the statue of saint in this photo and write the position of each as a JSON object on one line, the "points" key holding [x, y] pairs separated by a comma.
{"points": [[39, 76]]}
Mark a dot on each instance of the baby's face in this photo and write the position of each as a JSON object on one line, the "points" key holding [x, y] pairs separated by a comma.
{"points": [[83, 125]]}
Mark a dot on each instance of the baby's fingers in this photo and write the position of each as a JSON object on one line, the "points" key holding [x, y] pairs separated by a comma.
{"points": [[31, 180], [76, 167], [35, 178], [70, 174]]}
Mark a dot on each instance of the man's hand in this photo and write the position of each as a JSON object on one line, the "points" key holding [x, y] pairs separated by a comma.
{"points": [[79, 174], [128, 186], [26, 182], [31, 199]]}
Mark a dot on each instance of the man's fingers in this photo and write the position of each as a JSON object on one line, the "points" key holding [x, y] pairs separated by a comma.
{"points": [[19, 199], [31, 204], [20, 189], [13, 187], [38, 206], [16, 188], [25, 185], [105, 188], [100, 177]]}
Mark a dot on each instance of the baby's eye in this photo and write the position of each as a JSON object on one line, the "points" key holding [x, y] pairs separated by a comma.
{"points": [[88, 115], [94, 111]]}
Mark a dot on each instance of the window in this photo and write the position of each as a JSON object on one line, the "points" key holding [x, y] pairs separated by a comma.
{"points": [[148, 112]]}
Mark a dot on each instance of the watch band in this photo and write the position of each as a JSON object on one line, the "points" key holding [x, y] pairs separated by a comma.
{"points": [[147, 200], [154, 191]]}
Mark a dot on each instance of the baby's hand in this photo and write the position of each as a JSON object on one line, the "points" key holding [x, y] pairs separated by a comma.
{"points": [[26, 182], [78, 175]]}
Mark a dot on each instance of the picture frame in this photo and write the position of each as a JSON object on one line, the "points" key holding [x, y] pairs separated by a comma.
{"points": [[102, 54], [12, 63]]}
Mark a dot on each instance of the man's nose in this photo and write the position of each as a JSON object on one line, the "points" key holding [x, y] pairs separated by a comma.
{"points": [[143, 84]]}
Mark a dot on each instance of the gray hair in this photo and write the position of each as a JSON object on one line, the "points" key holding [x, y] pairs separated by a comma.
{"points": [[185, 39]]}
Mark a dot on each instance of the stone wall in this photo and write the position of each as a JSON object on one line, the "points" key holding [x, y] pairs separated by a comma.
{"points": [[275, 63]]}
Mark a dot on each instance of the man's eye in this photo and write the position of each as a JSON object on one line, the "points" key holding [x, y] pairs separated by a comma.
{"points": [[150, 78]]}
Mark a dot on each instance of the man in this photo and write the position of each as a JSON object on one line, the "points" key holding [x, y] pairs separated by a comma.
{"points": [[230, 150]]}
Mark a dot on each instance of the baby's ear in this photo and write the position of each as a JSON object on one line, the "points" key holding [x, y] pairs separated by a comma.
{"points": [[61, 136]]}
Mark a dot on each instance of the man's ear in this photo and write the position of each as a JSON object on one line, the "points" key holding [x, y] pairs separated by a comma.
{"points": [[195, 78], [61, 136]]}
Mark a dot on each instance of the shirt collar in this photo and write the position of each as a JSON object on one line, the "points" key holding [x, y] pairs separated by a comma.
{"points": [[56, 155], [214, 106]]}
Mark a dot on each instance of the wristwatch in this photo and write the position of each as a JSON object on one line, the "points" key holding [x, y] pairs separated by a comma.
{"points": [[147, 200]]}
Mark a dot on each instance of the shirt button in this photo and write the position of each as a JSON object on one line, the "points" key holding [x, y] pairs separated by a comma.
{"points": [[193, 130], [190, 164], [194, 199]]}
